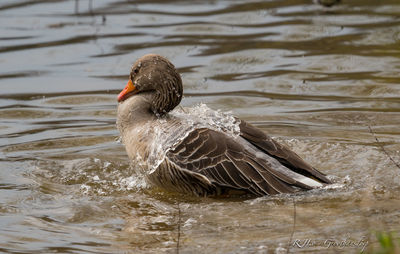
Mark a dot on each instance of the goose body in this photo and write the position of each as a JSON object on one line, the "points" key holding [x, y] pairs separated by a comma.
{"points": [[184, 153]]}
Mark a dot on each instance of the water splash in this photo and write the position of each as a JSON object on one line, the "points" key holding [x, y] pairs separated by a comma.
{"points": [[202, 116], [91, 176], [171, 129]]}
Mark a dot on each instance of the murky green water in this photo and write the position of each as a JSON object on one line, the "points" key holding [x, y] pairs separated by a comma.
{"points": [[325, 81]]}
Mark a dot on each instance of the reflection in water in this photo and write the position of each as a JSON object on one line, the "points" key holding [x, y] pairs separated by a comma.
{"points": [[322, 80]]}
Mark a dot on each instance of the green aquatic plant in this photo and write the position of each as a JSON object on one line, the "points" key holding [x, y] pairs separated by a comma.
{"points": [[389, 243]]}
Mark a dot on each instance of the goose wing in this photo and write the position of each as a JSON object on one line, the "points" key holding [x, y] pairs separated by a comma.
{"points": [[282, 153], [226, 163]]}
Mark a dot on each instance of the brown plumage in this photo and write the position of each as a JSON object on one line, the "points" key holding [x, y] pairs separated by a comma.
{"points": [[200, 160]]}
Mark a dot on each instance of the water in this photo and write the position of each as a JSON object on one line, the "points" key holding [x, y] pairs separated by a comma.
{"points": [[325, 81]]}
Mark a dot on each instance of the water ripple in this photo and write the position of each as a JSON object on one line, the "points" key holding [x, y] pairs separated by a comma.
{"points": [[324, 81]]}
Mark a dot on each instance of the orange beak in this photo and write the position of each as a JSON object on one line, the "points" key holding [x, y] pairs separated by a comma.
{"points": [[129, 89]]}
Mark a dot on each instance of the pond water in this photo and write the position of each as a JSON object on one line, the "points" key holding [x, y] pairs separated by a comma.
{"points": [[324, 81]]}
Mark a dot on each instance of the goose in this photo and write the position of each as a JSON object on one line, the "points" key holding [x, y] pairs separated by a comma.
{"points": [[195, 155]]}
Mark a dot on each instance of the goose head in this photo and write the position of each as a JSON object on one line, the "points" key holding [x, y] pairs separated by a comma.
{"points": [[156, 78]]}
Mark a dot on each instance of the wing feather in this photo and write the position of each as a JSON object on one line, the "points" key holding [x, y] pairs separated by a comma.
{"points": [[287, 157], [227, 164]]}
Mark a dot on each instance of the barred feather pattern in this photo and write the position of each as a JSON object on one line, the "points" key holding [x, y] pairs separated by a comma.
{"points": [[237, 164], [172, 177], [229, 165]]}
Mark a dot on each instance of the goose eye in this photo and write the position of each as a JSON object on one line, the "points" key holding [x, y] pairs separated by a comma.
{"points": [[134, 72]]}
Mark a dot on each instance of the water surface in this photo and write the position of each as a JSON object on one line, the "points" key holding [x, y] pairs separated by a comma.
{"points": [[324, 81]]}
